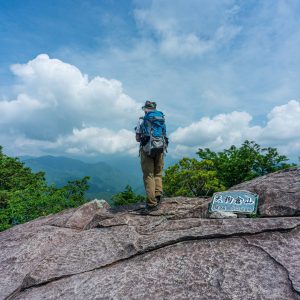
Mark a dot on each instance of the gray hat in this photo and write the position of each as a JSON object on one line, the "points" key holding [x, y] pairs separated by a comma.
{"points": [[149, 105]]}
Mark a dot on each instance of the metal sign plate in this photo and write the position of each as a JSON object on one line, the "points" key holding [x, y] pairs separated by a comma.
{"points": [[234, 201]]}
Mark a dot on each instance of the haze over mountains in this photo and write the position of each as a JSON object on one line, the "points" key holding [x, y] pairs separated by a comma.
{"points": [[107, 178]]}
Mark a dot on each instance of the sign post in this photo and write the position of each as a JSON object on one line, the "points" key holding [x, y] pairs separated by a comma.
{"points": [[242, 202]]}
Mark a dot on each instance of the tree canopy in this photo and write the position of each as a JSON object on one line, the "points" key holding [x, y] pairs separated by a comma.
{"points": [[238, 164], [25, 195], [126, 197], [192, 178], [216, 171]]}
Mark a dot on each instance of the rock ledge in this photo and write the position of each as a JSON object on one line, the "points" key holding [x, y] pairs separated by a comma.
{"points": [[95, 252]]}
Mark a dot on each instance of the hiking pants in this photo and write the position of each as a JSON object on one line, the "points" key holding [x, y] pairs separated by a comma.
{"points": [[152, 174]]}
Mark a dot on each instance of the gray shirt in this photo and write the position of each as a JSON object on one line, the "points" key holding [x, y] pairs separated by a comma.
{"points": [[138, 126]]}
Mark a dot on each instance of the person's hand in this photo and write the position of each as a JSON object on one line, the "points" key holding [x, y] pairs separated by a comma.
{"points": [[138, 137]]}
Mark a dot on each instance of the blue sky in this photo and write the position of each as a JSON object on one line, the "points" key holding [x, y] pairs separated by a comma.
{"points": [[74, 74]]}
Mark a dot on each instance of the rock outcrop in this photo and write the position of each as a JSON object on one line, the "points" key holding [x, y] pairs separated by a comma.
{"points": [[279, 192], [176, 252]]}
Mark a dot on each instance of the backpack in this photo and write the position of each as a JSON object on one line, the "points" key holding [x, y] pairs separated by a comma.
{"points": [[153, 129]]}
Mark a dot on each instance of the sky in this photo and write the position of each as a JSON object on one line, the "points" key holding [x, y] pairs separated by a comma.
{"points": [[75, 73]]}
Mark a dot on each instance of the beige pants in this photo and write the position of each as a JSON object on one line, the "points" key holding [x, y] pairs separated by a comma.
{"points": [[152, 174]]}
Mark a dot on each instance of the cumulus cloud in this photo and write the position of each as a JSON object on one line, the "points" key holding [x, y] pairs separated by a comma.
{"points": [[59, 110], [282, 130], [93, 140], [55, 101], [223, 129], [284, 122], [64, 97], [89, 141], [19, 109]]}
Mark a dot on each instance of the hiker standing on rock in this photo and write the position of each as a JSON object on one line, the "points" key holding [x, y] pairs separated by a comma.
{"points": [[151, 134]]}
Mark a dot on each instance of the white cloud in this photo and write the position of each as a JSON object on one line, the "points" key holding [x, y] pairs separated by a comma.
{"points": [[88, 141], [53, 98], [58, 110], [19, 109], [284, 122], [189, 30], [190, 44], [223, 129], [63, 97], [282, 130], [93, 140], [207, 58], [250, 70]]}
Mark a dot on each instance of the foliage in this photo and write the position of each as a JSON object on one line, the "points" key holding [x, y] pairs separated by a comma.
{"points": [[14, 175], [191, 178], [25, 195], [235, 165], [126, 197]]}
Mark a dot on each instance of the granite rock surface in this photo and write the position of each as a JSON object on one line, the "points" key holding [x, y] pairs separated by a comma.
{"points": [[279, 192], [176, 252]]}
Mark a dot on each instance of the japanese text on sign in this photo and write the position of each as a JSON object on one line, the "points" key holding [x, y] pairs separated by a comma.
{"points": [[235, 201]]}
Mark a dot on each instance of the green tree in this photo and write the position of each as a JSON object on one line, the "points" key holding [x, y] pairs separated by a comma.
{"points": [[126, 197], [191, 178], [25, 195], [235, 165], [14, 175]]}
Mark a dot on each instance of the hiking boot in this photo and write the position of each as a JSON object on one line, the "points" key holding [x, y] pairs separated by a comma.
{"points": [[158, 199], [148, 209]]}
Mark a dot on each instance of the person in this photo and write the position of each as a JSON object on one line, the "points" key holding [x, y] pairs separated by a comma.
{"points": [[152, 150]]}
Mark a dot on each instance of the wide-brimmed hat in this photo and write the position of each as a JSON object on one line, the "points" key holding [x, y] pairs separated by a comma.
{"points": [[149, 105]]}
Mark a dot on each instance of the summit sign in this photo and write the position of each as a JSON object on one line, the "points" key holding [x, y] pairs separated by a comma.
{"points": [[234, 201]]}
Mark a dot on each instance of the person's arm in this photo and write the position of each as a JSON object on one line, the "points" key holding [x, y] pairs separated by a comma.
{"points": [[138, 134], [138, 137]]}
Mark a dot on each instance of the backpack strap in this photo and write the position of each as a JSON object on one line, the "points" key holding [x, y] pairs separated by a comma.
{"points": [[149, 126]]}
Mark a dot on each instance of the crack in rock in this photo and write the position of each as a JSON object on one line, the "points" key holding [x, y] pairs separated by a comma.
{"points": [[155, 248], [276, 261]]}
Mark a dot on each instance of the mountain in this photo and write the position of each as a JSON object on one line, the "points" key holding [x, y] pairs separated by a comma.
{"points": [[105, 181], [176, 252], [132, 164]]}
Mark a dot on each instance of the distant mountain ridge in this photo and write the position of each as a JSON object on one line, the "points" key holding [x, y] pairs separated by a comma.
{"points": [[106, 180]]}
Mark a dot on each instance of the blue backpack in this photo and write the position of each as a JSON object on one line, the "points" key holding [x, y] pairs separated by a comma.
{"points": [[154, 133]]}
